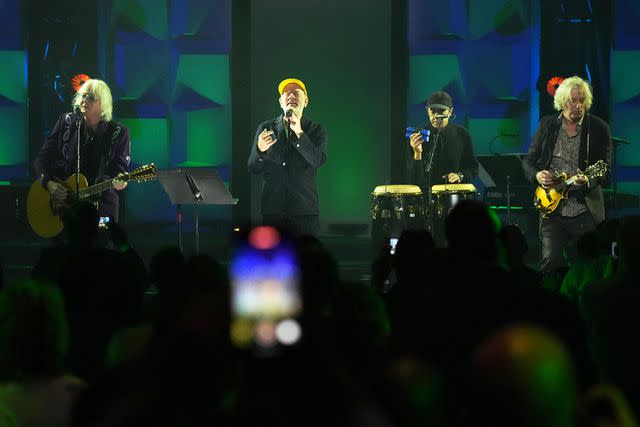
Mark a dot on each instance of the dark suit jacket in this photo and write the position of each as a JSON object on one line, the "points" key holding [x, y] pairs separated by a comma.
{"points": [[289, 168], [595, 144]]}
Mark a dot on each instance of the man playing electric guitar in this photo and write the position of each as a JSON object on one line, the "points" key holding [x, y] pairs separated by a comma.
{"points": [[104, 147], [567, 143]]}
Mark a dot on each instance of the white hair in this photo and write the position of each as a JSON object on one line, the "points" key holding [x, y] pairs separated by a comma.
{"points": [[99, 90], [563, 93]]}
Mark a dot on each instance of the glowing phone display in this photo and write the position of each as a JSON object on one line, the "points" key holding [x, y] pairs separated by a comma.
{"points": [[265, 290]]}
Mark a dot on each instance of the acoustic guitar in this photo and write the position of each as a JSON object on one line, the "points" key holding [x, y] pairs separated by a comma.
{"points": [[45, 212], [549, 199]]}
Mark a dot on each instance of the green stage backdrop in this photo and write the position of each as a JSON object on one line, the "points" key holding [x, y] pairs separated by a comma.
{"points": [[341, 50]]}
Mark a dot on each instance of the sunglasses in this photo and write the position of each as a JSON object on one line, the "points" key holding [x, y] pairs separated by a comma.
{"points": [[88, 97]]}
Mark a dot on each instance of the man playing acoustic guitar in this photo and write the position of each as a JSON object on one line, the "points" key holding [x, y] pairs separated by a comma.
{"points": [[104, 148], [564, 145]]}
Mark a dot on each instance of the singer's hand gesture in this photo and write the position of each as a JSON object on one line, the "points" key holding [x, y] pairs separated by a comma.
{"points": [[416, 144], [294, 124], [265, 140]]}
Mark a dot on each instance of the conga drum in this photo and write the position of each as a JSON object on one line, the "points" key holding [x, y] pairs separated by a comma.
{"points": [[395, 208], [444, 198]]}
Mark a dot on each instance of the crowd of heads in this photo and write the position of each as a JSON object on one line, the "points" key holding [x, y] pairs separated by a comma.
{"points": [[454, 339]]}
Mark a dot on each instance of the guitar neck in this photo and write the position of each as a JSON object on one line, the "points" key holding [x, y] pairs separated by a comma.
{"points": [[141, 174], [570, 181], [96, 189], [566, 183]]}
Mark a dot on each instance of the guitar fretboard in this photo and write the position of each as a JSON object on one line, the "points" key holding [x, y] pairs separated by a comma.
{"points": [[141, 174], [95, 189], [564, 184]]}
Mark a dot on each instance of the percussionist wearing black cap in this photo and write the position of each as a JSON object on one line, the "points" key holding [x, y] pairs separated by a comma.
{"points": [[287, 151], [448, 156]]}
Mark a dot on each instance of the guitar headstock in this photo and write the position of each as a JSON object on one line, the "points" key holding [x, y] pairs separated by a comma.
{"points": [[143, 173], [597, 169]]}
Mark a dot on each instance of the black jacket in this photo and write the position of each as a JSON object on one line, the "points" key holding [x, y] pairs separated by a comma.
{"points": [[289, 168], [101, 158], [595, 144], [454, 153]]}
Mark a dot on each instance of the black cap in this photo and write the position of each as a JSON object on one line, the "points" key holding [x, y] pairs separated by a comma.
{"points": [[440, 99]]}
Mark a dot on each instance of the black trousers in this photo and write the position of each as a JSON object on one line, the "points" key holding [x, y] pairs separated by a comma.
{"points": [[557, 233], [298, 225]]}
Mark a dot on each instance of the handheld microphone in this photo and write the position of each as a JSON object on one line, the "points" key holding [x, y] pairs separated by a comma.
{"points": [[289, 113]]}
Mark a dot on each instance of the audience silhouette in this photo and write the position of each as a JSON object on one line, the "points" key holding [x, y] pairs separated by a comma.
{"points": [[103, 289], [35, 388], [453, 336]]}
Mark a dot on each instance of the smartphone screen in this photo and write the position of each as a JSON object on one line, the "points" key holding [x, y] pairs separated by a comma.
{"points": [[265, 291], [392, 245], [103, 222]]}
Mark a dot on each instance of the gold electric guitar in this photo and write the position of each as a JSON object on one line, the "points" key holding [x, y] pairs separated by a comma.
{"points": [[547, 200], [45, 213]]}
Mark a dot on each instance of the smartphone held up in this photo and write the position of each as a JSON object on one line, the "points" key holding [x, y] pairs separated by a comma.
{"points": [[266, 299], [103, 222], [392, 245]]}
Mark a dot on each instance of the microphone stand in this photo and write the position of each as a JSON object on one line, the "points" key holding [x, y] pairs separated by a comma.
{"points": [[429, 164], [427, 171], [79, 122], [615, 142]]}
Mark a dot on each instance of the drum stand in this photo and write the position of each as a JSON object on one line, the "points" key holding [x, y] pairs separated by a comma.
{"points": [[399, 207]]}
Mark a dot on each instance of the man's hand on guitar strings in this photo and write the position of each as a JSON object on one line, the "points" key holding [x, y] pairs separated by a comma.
{"points": [[580, 180], [545, 178], [57, 191], [119, 185]]}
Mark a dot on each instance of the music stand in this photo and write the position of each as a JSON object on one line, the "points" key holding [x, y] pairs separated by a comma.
{"points": [[194, 186], [615, 141], [503, 168]]}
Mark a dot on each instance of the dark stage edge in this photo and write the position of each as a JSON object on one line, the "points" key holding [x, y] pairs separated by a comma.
{"points": [[354, 254], [20, 252]]}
